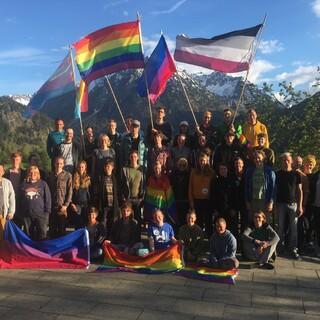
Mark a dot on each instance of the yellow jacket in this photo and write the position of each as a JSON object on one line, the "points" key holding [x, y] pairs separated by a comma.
{"points": [[251, 133]]}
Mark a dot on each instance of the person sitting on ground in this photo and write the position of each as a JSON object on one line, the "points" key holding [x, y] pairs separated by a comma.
{"points": [[191, 235], [223, 247], [125, 232], [160, 233], [259, 241], [96, 233]]}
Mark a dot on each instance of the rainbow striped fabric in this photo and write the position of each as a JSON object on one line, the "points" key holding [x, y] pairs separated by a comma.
{"points": [[108, 50], [160, 261], [208, 274], [159, 194], [82, 100]]}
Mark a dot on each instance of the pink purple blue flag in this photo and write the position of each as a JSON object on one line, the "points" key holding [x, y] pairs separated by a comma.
{"points": [[159, 68]]}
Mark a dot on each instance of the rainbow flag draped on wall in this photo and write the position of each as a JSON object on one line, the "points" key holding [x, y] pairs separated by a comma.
{"points": [[160, 261], [159, 194], [18, 251], [109, 50]]}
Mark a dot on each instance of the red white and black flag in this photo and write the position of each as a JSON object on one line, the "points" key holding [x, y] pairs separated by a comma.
{"points": [[230, 52]]}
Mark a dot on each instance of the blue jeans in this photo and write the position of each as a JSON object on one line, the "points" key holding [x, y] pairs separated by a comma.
{"points": [[287, 223]]}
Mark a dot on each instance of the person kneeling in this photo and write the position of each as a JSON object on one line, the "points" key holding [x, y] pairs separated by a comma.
{"points": [[125, 232], [160, 233], [260, 241], [223, 247], [96, 232], [191, 235]]}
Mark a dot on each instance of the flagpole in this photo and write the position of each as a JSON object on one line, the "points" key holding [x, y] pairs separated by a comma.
{"points": [[145, 75], [250, 63], [116, 101], [80, 119], [186, 95]]}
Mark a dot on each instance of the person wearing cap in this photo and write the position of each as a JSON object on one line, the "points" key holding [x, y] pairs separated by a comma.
{"points": [[133, 141], [252, 128], [227, 151], [159, 126], [228, 125], [270, 158], [206, 128], [184, 129]]}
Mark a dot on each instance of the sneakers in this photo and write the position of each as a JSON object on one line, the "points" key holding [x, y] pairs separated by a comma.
{"points": [[295, 254], [266, 266]]}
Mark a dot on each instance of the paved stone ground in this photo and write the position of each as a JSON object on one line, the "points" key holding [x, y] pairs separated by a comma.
{"points": [[291, 291]]}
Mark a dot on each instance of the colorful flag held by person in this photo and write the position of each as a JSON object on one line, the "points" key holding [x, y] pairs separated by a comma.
{"points": [[108, 50], [18, 251], [82, 100], [229, 52], [158, 70], [60, 83]]}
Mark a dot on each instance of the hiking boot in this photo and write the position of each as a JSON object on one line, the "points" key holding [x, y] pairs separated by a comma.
{"points": [[295, 254]]}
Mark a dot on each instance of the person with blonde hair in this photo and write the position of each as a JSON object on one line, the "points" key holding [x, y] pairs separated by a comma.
{"points": [[35, 204]]}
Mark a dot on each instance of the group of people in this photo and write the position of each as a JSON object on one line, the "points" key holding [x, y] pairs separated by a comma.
{"points": [[210, 189]]}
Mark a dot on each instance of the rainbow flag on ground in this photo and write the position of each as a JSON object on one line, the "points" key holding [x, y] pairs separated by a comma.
{"points": [[109, 50], [60, 83], [208, 274], [18, 251], [160, 261]]}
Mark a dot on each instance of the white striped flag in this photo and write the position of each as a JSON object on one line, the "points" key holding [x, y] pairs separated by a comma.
{"points": [[229, 52]]}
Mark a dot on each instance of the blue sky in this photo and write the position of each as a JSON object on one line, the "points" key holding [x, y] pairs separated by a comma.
{"points": [[35, 34]]}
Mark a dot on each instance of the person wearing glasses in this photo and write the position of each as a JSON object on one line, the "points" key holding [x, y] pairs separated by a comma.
{"points": [[259, 241]]}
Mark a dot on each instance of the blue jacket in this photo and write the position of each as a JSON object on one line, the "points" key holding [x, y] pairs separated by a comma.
{"points": [[269, 179]]}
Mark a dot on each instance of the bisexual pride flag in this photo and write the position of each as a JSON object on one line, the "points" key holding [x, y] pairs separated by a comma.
{"points": [[60, 83], [18, 251], [158, 70]]}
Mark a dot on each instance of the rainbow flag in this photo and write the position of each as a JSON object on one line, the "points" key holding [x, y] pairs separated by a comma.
{"points": [[208, 274], [160, 261], [82, 100], [159, 194], [60, 83], [18, 251], [108, 50], [159, 69]]}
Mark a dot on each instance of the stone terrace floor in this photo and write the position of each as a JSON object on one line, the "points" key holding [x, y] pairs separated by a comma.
{"points": [[291, 291]]}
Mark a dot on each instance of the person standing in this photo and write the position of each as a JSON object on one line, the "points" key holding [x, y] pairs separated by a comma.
{"points": [[35, 204], [55, 138], [289, 203], [252, 128], [60, 184], [7, 200], [70, 151], [16, 175]]}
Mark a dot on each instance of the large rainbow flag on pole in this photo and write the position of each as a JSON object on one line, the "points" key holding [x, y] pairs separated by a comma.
{"points": [[108, 50]]}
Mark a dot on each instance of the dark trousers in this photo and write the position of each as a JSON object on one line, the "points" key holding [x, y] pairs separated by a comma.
{"points": [[36, 227], [182, 209], [316, 224], [204, 215], [106, 217], [57, 224]]}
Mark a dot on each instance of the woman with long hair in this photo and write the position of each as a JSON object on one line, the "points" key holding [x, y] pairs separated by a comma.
{"points": [[80, 195]]}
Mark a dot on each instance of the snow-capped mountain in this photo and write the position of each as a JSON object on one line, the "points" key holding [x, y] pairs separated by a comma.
{"points": [[23, 99]]}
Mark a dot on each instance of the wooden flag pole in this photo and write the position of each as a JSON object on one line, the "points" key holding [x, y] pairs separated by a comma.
{"points": [[186, 95], [80, 118], [116, 101], [145, 75], [254, 51]]}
